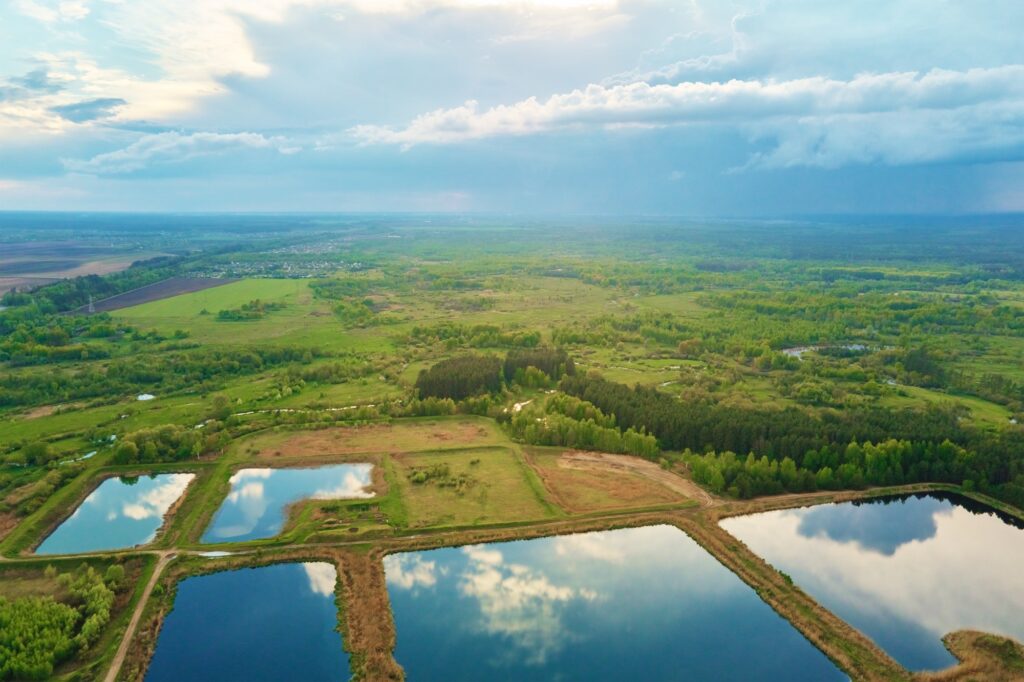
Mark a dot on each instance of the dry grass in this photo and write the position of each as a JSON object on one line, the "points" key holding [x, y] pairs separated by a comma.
{"points": [[406, 436], [982, 657], [581, 485]]}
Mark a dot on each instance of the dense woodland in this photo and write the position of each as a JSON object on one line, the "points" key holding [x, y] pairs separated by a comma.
{"points": [[798, 451], [39, 633]]}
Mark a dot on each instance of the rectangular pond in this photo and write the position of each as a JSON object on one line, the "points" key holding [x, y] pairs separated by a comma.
{"points": [[271, 623], [905, 571], [256, 507], [122, 512], [639, 603]]}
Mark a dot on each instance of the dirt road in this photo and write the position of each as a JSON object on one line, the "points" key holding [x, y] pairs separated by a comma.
{"points": [[129, 633]]}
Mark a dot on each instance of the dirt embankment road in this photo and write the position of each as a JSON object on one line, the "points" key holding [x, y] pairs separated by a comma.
{"points": [[129, 632], [600, 461]]}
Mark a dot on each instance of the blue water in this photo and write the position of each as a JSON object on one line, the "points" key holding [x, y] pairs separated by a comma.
{"points": [[257, 504], [904, 571], [272, 623], [634, 604], [121, 512]]}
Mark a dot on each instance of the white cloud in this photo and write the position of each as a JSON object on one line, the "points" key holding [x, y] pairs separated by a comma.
{"points": [[322, 577], [155, 502], [519, 603], [590, 545], [921, 582], [352, 486], [408, 571], [49, 12], [174, 147], [922, 116]]}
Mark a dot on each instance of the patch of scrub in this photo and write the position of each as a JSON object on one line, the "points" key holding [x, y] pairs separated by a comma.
{"points": [[120, 513], [640, 603], [271, 623], [256, 506], [904, 571]]}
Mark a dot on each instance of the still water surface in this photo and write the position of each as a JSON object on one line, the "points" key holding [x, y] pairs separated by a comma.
{"points": [[640, 603], [121, 512], [271, 623], [905, 571], [257, 505]]}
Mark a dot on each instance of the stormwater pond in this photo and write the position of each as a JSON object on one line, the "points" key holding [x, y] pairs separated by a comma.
{"points": [[256, 507], [905, 571], [641, 603], [276, 622], [119, 513]]}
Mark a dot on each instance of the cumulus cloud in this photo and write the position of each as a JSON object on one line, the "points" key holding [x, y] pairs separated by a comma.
{"points": [[519, 603], [175, 147], [926, 110], [352, 486], [322, 577], [408, 571], [154, 503]]}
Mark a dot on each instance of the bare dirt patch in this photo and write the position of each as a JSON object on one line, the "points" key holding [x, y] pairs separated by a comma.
{"points": [[47, 410], [7, 523]]}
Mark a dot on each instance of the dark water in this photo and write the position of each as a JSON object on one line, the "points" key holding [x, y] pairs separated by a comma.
{"points": [[255, 507], [905, 571], [635, 604], [272, 623], [121, 512]]}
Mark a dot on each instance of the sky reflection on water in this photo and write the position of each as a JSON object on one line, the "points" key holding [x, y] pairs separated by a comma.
{"points": [[905, 572], [270, 623], [121, 512], [256, 505], [641, 603]]}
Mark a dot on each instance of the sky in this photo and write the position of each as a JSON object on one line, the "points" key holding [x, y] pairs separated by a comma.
{"points": [[684, 107]]}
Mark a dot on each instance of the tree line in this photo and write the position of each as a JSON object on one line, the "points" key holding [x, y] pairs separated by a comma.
{"points": [[470, 375], [915, 445]]}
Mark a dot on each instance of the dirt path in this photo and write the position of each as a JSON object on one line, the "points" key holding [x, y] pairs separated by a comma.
{"points": [[584, 461], [129, 633]]}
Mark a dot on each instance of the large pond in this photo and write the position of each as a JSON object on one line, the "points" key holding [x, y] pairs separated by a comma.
{"points": [[258, 502], [642, 603], [272, 623], [905, 571], [121, 512]]}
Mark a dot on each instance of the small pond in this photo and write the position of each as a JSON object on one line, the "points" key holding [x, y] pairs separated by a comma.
{"points": [[633, 604], [256, 507], [905, 571], [121, 512], [272, 623]]}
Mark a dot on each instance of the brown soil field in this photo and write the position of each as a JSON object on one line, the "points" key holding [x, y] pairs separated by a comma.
{"points": [[380, 438], [156, 291]]}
